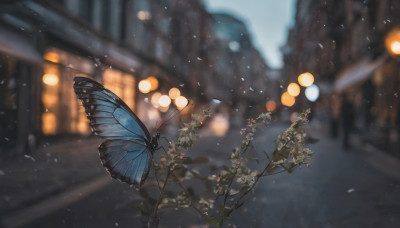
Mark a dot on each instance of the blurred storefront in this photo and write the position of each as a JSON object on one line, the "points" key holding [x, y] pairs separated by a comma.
{"points": [[44, 44]]}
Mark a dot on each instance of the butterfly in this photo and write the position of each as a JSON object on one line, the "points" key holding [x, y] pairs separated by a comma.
{"points": [[128, 147]]}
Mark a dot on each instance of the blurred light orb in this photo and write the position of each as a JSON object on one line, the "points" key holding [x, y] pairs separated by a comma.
{"points": [[154, 99], [52, 57], [50, 79], [392, 41], [234, 46], [293, 89], [144, 86], [270, 106], [164, 101], [174, 93], [153, 82], [395, 47], [306, 79], [220, 124], [312, 93], [287, 99], [181, 102], [144, 15]]}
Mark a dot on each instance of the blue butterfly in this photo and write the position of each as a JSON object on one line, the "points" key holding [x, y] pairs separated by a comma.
{"points": [[127, 149]]}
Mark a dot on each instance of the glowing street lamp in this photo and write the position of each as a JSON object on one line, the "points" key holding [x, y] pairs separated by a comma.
{"points": [[392, 41], [287, 99], [293, 89], [306, 79]]}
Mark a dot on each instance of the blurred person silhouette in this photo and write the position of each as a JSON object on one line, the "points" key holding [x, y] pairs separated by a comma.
{"points": [[347, 115]]}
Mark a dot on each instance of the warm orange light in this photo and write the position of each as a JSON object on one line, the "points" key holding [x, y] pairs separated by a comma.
{"points": [[287, 99], [181, 102], [49, 123], [306, 79], [270, 106], [50, 79], [293, 89], [52, 57], [220, 124], [392, 41], [174, 93], [395, 47], [153, 82], [49, 99], [154, 99], [144, 86], [164, 101]]}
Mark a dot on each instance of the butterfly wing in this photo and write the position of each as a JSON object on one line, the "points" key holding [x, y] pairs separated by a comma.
{"points": [[124, 152]]}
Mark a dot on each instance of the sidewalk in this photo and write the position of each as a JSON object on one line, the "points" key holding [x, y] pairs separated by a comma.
{"points": [[52, 169]]}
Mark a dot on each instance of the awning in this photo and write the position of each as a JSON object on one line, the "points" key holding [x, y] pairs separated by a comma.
{"points": [[357, 73], [18, 46]]}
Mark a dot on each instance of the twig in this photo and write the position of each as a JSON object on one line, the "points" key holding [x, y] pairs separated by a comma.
{"points": [[153, 222]]}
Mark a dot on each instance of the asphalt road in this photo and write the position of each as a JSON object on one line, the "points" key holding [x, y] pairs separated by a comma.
{"points": [[354, 188]]}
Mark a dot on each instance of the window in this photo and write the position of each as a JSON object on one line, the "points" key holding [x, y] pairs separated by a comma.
{"points": [[62, 113]]}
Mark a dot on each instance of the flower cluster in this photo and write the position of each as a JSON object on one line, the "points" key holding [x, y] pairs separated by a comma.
{"points": [[290, 150], [180, 201], [227, 188], [187, 136]]}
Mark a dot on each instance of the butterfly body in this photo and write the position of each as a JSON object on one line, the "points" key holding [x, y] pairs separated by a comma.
{"points": [[127, 148]]}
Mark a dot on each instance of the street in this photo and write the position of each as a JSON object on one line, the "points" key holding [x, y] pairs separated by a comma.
{"points": [[340, 189]]}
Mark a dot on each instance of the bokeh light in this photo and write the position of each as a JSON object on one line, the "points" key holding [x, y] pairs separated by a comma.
{"points": [[392, 42], [306, 79], [312, 93], [293, 89], [164, 101], [270, 106], [154, 99], [153, 82], [144, 15], [181, 102], [50, 79], [287, 99], [52, 57], [174, 93], [144, 86]]}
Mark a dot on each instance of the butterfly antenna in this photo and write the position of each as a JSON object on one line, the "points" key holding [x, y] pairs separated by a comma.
{"points": [[173, 114]]}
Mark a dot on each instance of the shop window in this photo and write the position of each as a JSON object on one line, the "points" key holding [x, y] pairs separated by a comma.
{"points": [[123, 85], [62, 113]]}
